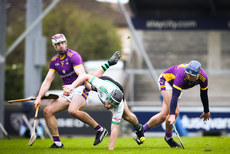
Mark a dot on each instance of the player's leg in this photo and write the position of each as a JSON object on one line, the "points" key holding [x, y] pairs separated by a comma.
{"points": [[112, 61], [129, 116], [168, 135], [132, 119], [160, 117], [77, 103], [49, 112], [168, 132]]}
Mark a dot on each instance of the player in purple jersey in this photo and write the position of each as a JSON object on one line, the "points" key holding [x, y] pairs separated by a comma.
{"points": [[69, 65], [171, 83]]}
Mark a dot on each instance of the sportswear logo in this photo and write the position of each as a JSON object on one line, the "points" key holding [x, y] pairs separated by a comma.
{"points": [[102, 135], [69, 54], [62, 63], [66, 75], [103, 89], [161, 81], [117, 119], [67, 62]]}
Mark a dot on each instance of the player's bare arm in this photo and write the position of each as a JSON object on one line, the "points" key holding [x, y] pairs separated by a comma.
{"points": [[82, 77], [45, 87], [68, 89], [113, 136]]}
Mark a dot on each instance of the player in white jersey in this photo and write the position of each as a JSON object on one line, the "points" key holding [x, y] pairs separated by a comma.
{"points": [[111, 94]]}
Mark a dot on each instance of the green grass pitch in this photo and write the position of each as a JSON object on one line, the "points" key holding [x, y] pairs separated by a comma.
{"points": [[123, 145]]}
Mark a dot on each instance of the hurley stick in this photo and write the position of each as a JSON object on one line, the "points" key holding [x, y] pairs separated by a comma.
{"points": [[174, 127], [33, 135], [50, 96]]}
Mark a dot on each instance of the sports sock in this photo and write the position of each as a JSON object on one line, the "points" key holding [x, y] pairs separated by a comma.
{"points": [[146, 127], [138, 127], [98, 128], [57, 140], [105, 66], [168, 135]]}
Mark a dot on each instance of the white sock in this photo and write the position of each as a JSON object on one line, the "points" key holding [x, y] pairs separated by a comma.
{"points": [[58, 143], [167, 138], [101, 129]]}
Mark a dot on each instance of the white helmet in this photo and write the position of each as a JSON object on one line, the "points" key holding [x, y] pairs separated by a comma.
{"points": [[57, 38]]}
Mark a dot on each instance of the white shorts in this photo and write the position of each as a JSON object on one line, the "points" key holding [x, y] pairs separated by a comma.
{"points": [[167, 86], [79, 90]]}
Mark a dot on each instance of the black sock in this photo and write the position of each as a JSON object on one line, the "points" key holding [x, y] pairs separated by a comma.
{"points": [[105, 66], [138, 127]]}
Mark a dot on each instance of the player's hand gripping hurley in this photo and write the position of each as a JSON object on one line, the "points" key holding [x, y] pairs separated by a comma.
{"points": [[33, 135], [174, 127]]}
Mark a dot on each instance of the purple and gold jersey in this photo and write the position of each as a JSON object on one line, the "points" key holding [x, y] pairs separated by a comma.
{"points": [[175, 76], [65, 66]]}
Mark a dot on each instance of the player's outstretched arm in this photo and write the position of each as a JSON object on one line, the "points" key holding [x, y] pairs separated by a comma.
{"points": [[68, 89], [113, 136], [44, 87]]}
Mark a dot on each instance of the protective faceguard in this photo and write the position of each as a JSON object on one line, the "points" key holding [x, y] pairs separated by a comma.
{"points": [[193, 69], [115, 97], [57, 38]]}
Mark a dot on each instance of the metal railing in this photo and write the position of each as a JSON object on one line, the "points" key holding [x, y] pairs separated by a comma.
{"points": [[130, 73]]}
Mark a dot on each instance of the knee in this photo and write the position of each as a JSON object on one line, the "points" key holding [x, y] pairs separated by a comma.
{"points": [[47, 112], [164, 116], [74, 113]]}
